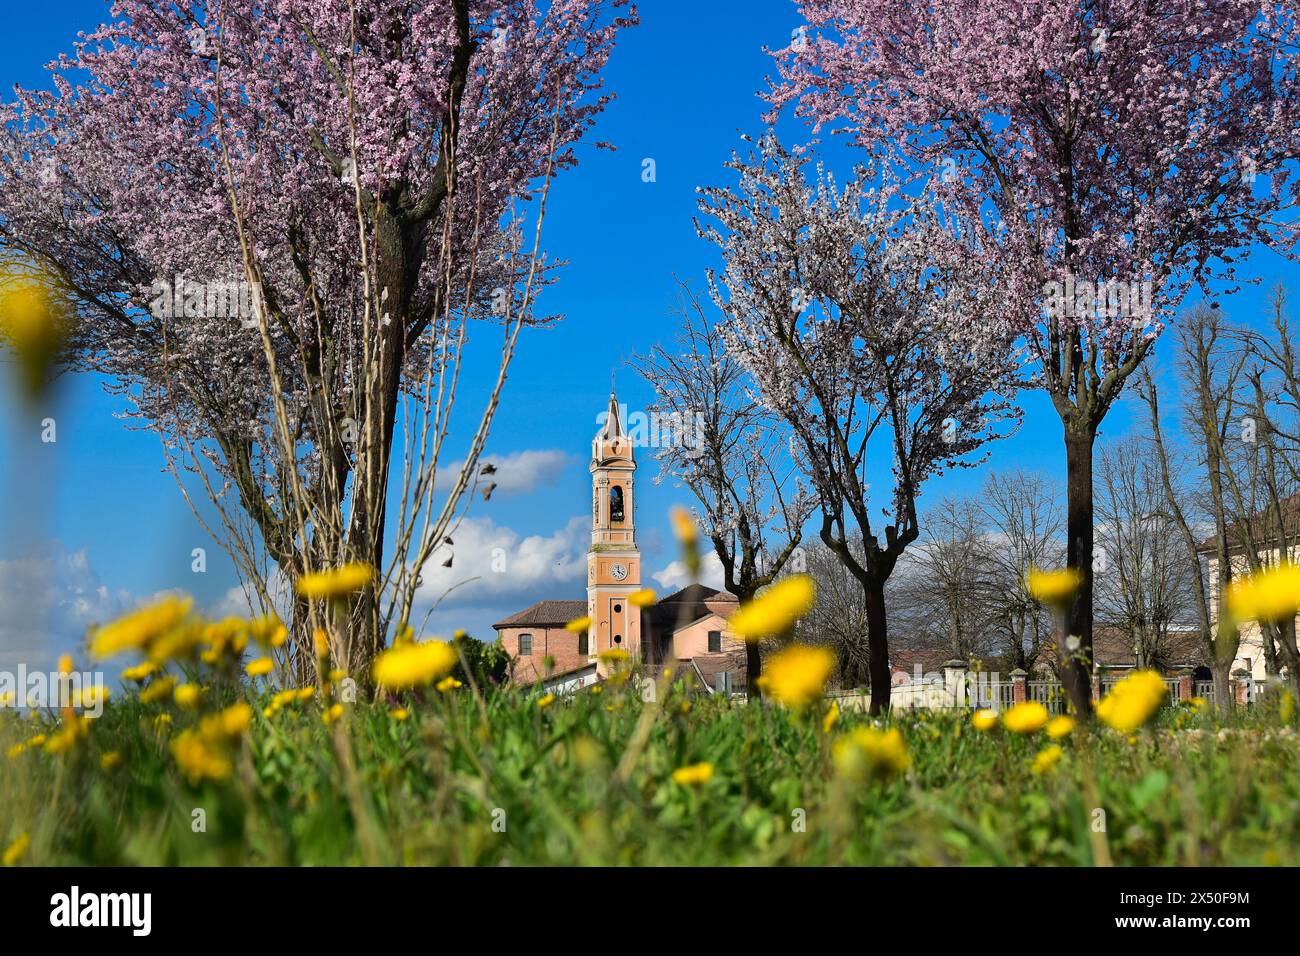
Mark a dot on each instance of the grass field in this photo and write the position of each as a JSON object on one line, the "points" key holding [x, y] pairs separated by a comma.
{"points": [[511, 778]]}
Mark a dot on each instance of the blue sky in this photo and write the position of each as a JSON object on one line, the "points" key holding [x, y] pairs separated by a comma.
{"points": [[96, 522]]}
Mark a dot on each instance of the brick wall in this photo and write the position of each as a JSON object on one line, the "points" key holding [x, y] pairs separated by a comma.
{"points": [[555, 642]]}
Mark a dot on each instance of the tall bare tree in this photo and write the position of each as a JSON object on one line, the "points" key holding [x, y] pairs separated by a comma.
{"points": [[733, 455]]}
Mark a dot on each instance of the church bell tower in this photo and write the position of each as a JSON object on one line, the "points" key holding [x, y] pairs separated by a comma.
{"points": [[614, 562]]}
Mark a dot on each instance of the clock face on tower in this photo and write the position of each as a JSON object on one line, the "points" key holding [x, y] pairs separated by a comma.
{"points": [[618, 571]]}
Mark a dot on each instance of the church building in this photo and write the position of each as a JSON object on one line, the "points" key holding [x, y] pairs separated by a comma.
{"points": [[685, 630]]}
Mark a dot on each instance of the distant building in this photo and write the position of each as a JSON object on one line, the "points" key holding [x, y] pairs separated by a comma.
{"points": [[686, 630], [1252, 656]]}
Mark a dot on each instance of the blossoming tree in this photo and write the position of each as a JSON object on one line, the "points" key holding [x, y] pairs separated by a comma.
{"points": [[1126, 150], [732, 455], [280, 222], [864, 323]]}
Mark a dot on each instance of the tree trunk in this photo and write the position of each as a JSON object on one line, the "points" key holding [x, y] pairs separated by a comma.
{"points": [[753, 668], [873, 591], [1076, 665]]}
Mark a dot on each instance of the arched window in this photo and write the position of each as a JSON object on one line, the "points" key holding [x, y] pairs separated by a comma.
{"points": [[616, 503]]}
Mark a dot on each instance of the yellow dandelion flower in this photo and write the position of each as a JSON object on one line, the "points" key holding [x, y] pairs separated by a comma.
{"points": [[1047, 759], [868, 753], [797, 675], [400, 713], [336, 582], [336, 675], [597, 689], [1133, 701], [17, 850], [695, 775], [110, 761], [776, 610], [1059, 727], [320, 642], [643, 598], [578, 625], [545, 702], [197, 759], [34, 318], [984, 720], [447, 684], [332, 714], [459, 634], [1054, 588], [160, 688], [832, 717], [140, 628], [65, 663], [614, 656], [1025, 718], [1270, 595], [683, 526], [188, 695], [140, 672], [232, 722], [306, 693], [259, 667], [414, 665], [66, 738], [17, 750]]}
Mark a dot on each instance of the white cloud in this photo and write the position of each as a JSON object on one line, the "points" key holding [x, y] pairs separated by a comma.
{"points": [[674, 577], [517, 472], [495, 565], [47, 602]]}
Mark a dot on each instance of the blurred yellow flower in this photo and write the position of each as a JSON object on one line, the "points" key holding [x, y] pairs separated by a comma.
{"points": [[1025, 718], [160, 688], [1053, 588], [336, 582], [400, 713], [695, 775], [984, 719], [545, 701], [797, 675], [110, 761], [1286, 709], [1059, 727], [643, 598], [1270, 595], [614, 656], [1133, 701], [231, 722], [683, 526], [332, 714], [65, 664], [17, 850], [306, 693], [578, 625], [320, 642], [66, 738], [34, 321], [776, 610], [197, 759], [1047, 758], [448, 684], [869, 753], [141, 627], [414, 665], [259, 667], [140, 672], [188, 695], [832, 717]]}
